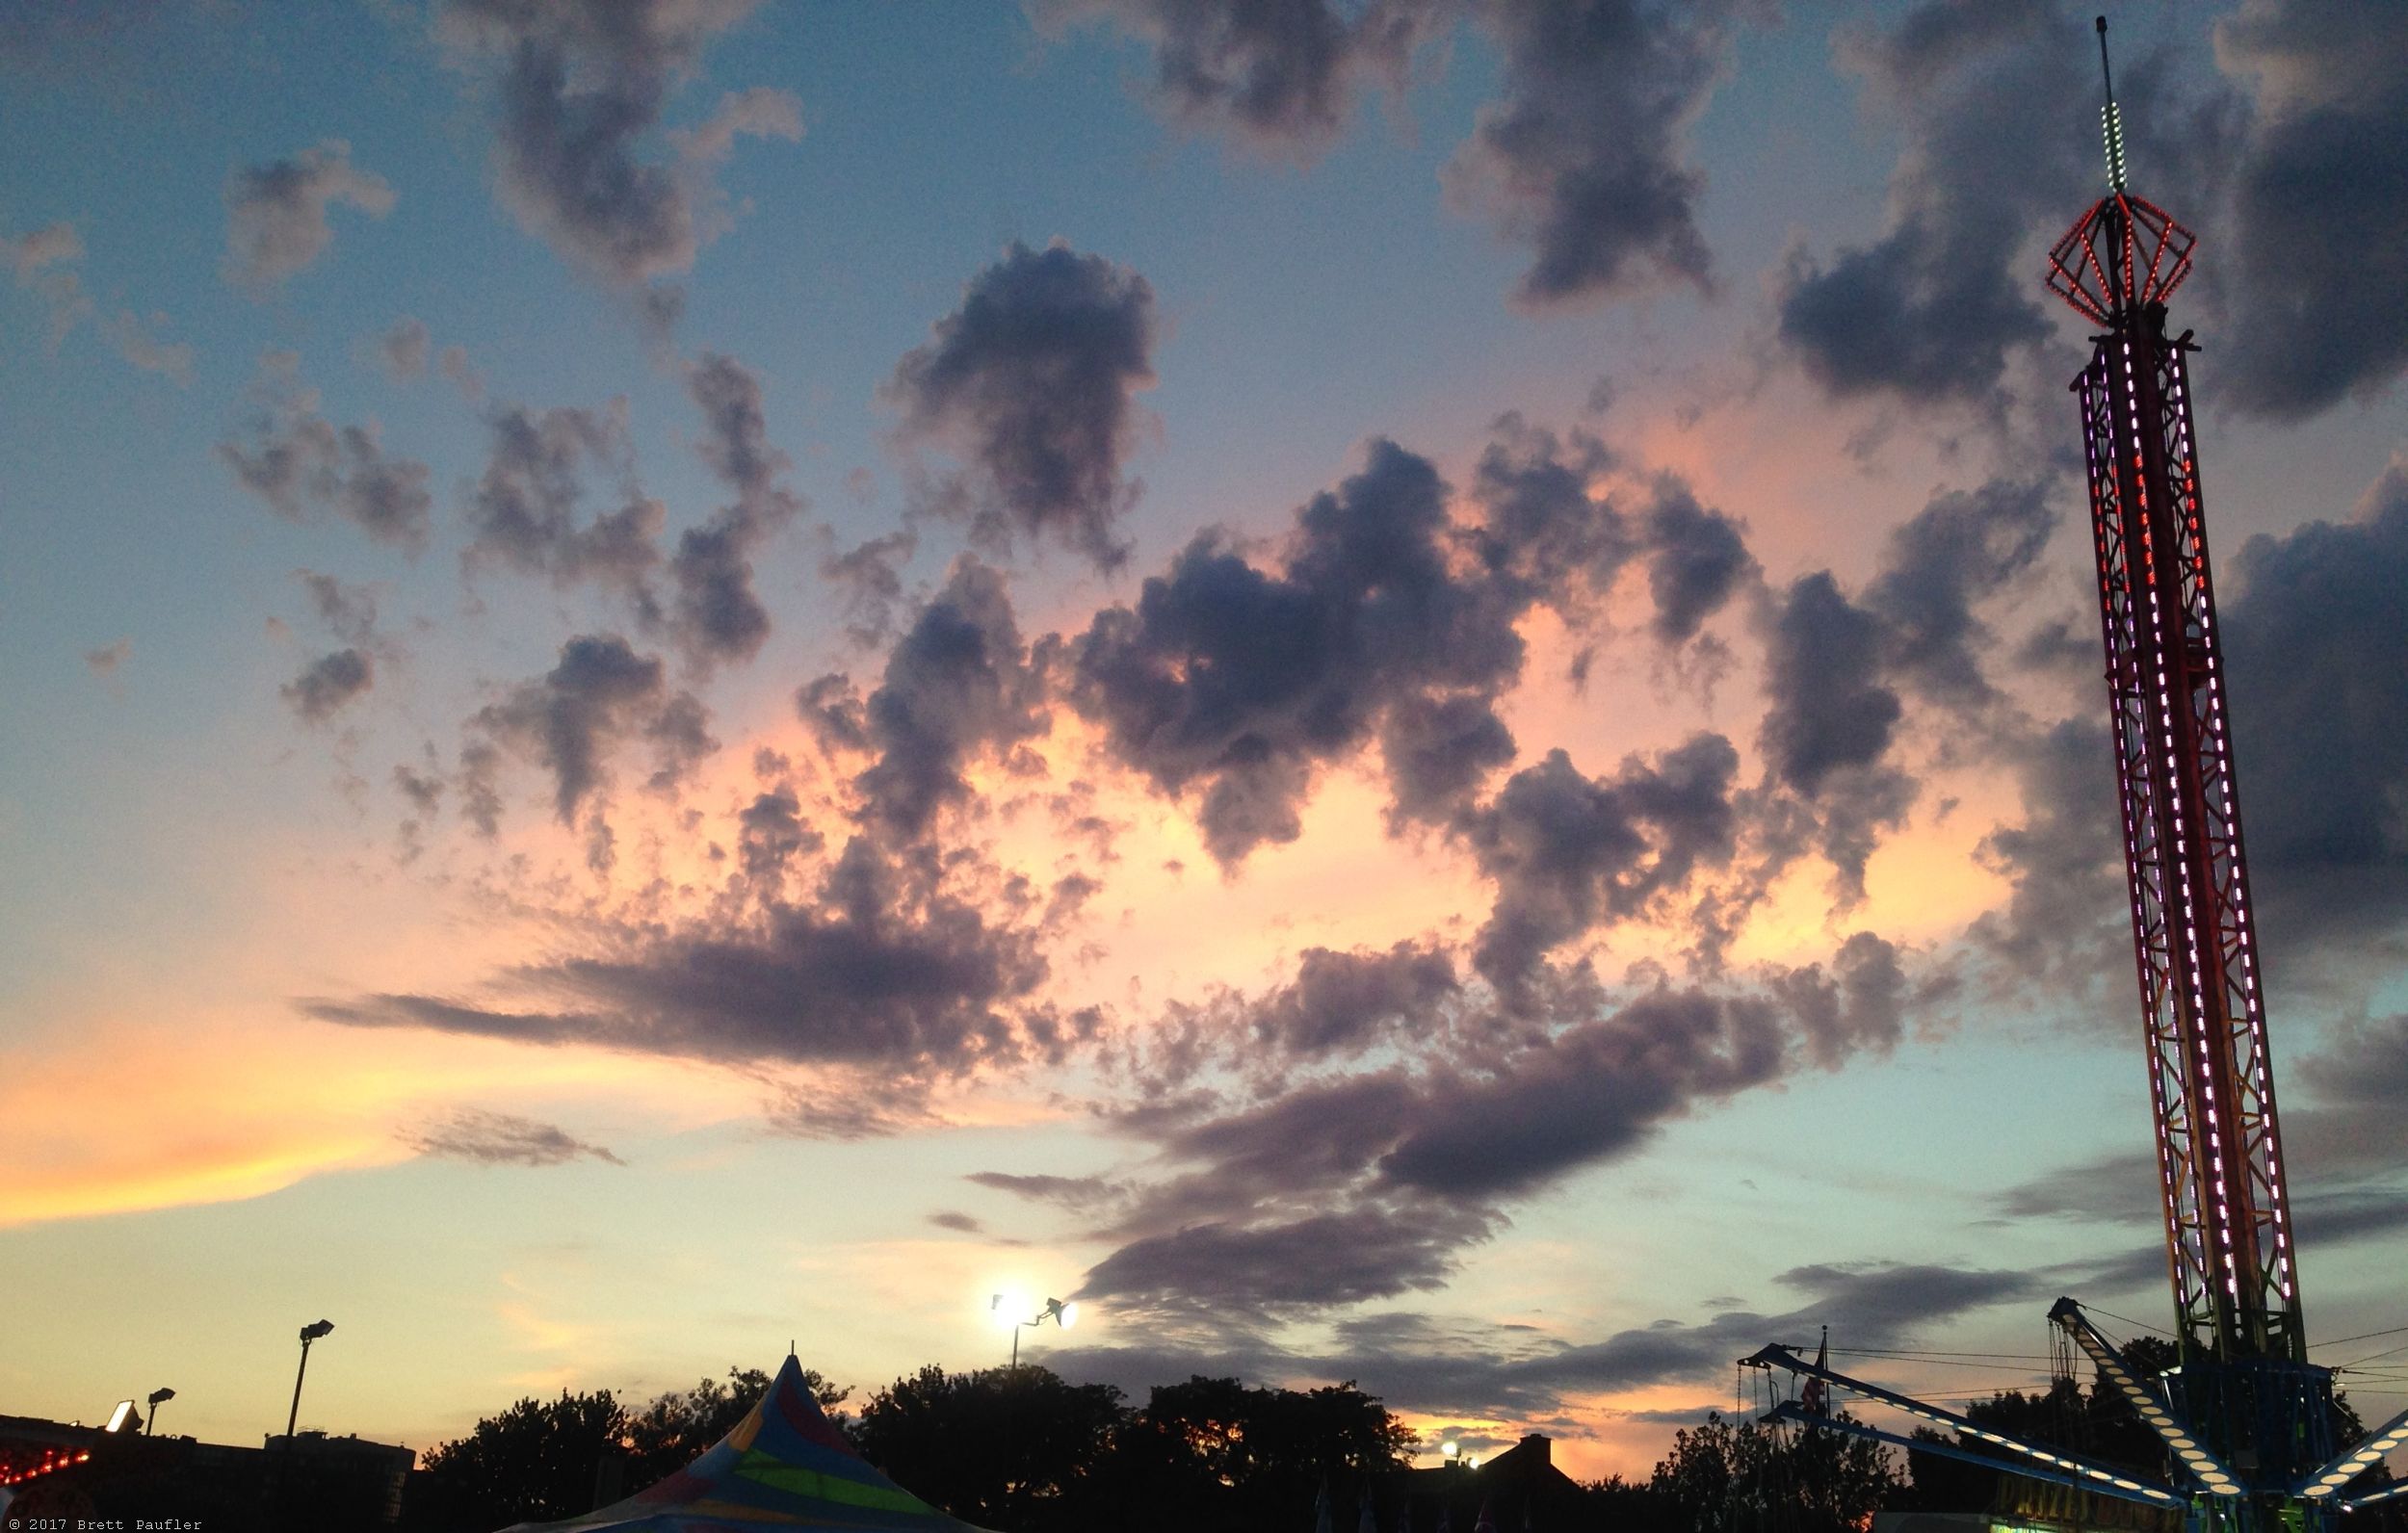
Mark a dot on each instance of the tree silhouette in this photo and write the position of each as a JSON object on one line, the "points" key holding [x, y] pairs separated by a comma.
{"points": [[1013, 1447], [1211, 1453], [1725, 1478], [535, 1461], [544, 1459]]}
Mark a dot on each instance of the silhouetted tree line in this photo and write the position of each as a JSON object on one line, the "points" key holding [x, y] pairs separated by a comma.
{"points": [[544, 1459], [1725, 1476], [1024, 1450], [1017, 1448]]}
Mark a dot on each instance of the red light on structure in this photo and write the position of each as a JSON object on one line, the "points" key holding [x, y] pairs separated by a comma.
{"points": [[2097, 268]]}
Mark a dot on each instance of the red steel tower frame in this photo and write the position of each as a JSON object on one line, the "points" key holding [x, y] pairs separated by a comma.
{"points": [[2245, 1420], [2220, 1147]]}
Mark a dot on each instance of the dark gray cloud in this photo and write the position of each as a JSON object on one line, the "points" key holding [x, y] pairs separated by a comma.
{"points": [[571, 720], [1065, 1192], [2366, 1066], [831, 706], [1240, 678], [955, 1220], [1440, 1365], [1541, 522], [1412, 1163], [1552, 524], [1309, 1263], [1030, 383], [2328, 1219], [2344, 1151], [2118, 1187], [1928, 312], [1438, 752], [1859, 1007], [2327, 836], [870, 575], [1593, 1091], [1962, 547], [403, 350], [882, 968], [1581, 157], [1078, 1194], [329, 684], [1873, 1304], [276, 213], [1836, 668], [523, 512], [499, 1139], [2321, 722], [1341, 1002], [2320, 206], [423, 791], [1567, 851], [1283, 77], [717, 615], [1997, 108], [2294, 167], [772, 837], [1243, 681], [1831, 706], [2066, 919], [529, 511], [1697, 559], [579, 90], [857, 1105], [958, 683], [1289, 1154], [349, 611], [302, 465]]}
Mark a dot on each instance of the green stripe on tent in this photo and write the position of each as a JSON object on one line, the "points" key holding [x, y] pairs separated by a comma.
{"points": [[779, 1475]]}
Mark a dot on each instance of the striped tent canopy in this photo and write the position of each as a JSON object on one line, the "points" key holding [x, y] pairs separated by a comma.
{"points": [[784, 1466]]}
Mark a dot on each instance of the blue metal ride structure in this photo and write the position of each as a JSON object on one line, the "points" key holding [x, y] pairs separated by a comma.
{"points": [[2244, 1417]]}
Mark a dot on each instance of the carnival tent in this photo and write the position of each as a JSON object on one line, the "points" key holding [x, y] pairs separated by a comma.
{"points": [[784, 1466]]}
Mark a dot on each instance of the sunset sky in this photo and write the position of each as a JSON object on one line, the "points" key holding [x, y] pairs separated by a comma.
{"points": [[1405, 689]]}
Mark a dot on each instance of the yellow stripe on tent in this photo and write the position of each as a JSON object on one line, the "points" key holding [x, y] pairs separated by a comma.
{"points": [[799, 1481]]}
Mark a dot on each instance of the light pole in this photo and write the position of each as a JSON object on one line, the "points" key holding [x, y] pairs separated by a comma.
{"points": [[308, 1333], [158, 1398], [1062, 1314]]}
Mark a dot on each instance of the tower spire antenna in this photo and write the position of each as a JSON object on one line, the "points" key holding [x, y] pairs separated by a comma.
{"points": [[2111, 118]]}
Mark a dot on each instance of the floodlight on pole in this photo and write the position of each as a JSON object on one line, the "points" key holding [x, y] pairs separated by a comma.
{"points": [[308, 1333], [1061, 1313], [158, 1398]]}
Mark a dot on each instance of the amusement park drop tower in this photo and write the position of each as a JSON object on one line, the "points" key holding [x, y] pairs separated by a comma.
{"points": [[2244, 1417]]}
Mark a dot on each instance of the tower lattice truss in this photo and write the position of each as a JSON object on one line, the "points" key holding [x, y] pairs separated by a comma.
{"points": [[2245, 1419]]}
